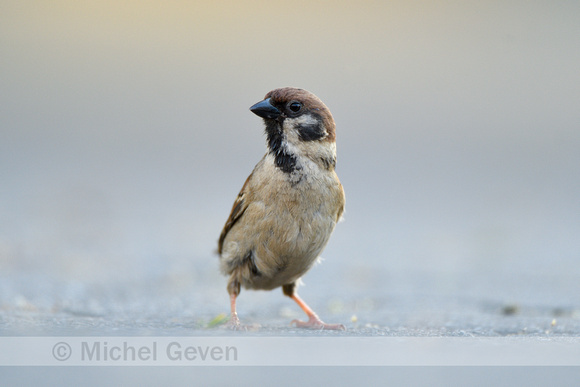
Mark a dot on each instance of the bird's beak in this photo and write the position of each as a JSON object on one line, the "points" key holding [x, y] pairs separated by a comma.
{"points": [[265, 109]]}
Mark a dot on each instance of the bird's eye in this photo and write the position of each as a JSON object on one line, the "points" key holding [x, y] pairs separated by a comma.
{"points": [[295, 106]]}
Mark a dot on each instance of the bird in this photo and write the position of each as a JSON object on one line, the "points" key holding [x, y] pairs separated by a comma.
{"points": [[289, 205]]}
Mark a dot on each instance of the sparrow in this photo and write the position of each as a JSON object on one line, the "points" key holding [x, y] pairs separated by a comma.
{"points": [[289, 205]]}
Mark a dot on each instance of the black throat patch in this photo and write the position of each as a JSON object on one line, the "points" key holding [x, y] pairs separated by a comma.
{"points": [[284, 160]]}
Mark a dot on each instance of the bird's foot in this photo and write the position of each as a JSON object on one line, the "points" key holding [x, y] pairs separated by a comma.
{"points": [[314, 322], [234, 324]]}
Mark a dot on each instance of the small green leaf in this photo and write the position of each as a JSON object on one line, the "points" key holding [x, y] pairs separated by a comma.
{"points": [[218, 320]]}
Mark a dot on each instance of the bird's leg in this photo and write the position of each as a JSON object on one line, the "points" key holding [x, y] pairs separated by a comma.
{"points": [[233, 290], [314, 322], [234, 320]]}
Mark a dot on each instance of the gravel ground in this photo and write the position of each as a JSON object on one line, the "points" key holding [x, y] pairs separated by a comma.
{"points": [[411, 303]]}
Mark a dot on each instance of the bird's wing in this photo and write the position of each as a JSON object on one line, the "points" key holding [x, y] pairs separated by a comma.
{"points": [[238, 209], [341, 207]]}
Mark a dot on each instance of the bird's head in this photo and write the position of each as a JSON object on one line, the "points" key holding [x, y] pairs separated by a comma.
{"points": [[298, 124]]}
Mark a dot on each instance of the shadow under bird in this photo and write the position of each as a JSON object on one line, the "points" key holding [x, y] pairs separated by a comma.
{"points": [[286, 211]]}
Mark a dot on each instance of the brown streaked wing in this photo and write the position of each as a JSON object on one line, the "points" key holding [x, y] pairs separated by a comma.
{"points": [[341, 209], [238, 209]]}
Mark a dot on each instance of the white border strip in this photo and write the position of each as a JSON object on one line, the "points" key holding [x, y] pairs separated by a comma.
{"points": [[289, 351]]}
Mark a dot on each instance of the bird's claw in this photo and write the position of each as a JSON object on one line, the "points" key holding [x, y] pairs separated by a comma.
{"points": [[316, 323], [234, 324]]}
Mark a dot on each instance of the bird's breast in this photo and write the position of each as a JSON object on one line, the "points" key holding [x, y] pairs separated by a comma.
{"points": [[287, 223]]}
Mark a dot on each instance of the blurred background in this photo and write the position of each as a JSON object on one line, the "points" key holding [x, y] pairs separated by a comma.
{"points": [[125, 136]]}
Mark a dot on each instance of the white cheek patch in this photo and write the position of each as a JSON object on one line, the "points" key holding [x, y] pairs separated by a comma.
{"points": [[301, 143], [304, 128], [303, 120]]}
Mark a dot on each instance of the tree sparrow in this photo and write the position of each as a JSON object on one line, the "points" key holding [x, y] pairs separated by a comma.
{"points": [[283, 216]]}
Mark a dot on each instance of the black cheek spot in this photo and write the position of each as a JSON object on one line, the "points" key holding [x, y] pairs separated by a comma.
{"points": [[311, 132]]}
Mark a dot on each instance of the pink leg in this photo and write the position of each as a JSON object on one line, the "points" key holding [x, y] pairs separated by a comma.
{"points": [[314, 322], [234, 322]]}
